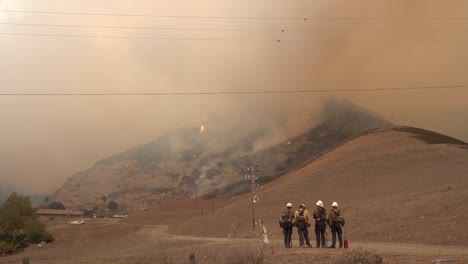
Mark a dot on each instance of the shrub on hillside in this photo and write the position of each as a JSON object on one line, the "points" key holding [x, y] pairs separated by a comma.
{"points": [[113, 206], [36, 232], [101, 213], [6, 248], [358, 255], [89, 212]]}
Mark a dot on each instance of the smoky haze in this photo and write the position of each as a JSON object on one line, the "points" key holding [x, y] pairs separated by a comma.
{"points": [[46, 139]]}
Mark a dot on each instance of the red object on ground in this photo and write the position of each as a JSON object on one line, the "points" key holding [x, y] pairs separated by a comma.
{"points": [[345, 241]]}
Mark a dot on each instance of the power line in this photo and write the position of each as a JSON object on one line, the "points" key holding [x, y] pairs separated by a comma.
{"points": [[152, 15], [136, 27], [233, 17], [136, 37], [217, 29], [230, 39], [443, 87], [372, 31]]}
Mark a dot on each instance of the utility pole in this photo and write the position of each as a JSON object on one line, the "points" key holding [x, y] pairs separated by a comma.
{"points": [[250, 175], [253, 196]]}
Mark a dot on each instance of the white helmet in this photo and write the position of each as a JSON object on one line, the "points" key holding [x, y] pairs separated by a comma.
{"points": [[289, 205], [319, 203], [334, 204]]}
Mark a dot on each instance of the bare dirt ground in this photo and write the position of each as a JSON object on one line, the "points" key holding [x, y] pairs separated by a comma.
{"points": [[117, 241], [404, 198]]}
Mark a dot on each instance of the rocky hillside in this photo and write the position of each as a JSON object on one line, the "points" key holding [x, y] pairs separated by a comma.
{"points": [[186, 163]]}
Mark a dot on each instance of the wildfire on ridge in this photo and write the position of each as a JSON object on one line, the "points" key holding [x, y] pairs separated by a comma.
{"points": [[202, 129]]}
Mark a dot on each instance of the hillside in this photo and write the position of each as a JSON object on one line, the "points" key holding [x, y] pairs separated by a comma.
{"points": [[402, 190], [399, 184], [186, 163]]}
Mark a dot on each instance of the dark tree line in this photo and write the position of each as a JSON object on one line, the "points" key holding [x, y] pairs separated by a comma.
{"points": [[56, 205]]}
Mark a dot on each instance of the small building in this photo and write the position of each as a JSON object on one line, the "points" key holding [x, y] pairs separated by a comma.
{"points": [[59, 213]]}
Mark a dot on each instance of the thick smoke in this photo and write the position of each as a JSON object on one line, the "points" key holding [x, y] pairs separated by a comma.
{"points": [[46, 139]]}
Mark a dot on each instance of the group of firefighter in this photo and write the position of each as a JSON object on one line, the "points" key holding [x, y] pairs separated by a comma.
{"points": [[302, 221]]}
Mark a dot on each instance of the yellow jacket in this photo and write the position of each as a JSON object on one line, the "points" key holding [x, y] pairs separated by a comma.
{"points": [[306, 215]]}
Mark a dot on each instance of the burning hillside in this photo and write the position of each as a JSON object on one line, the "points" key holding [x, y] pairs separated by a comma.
{"points": [[204, 161]]}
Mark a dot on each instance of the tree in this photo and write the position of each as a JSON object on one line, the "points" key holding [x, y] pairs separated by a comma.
{"points": [[113, 206], [101, 213], [19, 225], [56, 206], [15, 213], [46, 199], [104, 198], [2, 198], [89, 212]]}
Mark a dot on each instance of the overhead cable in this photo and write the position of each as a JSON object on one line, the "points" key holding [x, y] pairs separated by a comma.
{"points": [[232, 39], [305, 18], [151, 15], [245, 92], [217, 29]]}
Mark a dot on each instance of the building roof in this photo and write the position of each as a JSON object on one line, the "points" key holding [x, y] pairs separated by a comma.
{"points": [[58, 212]]}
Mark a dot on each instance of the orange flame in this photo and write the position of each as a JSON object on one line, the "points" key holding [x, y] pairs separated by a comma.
{"points": [[202, 128]]}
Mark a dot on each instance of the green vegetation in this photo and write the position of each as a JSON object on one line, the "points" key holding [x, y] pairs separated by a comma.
{"points": [[56, 206], [19, 225], [113, 206], [101, 213], [104, 199], [89, 212]]}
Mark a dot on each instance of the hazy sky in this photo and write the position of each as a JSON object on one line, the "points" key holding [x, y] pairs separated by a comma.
{"points": [[46, 139]]}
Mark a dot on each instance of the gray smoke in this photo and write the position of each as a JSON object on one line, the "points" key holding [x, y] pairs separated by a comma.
{"points": [[47, 139]]}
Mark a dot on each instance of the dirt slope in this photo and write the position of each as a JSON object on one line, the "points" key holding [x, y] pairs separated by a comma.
{"points": [[393, 185]]}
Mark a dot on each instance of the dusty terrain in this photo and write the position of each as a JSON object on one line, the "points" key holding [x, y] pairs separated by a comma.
{"points": [[403, 192], [119, 241]]}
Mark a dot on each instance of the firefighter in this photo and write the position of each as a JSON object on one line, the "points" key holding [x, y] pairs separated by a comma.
{"points": [[302, 224], [287, 222], [336, 222], [320, 216]]}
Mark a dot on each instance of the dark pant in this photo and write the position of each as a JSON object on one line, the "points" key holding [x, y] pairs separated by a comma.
{"points": [[303, 234], [335, 231], [287, 233], [320, 235]]}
